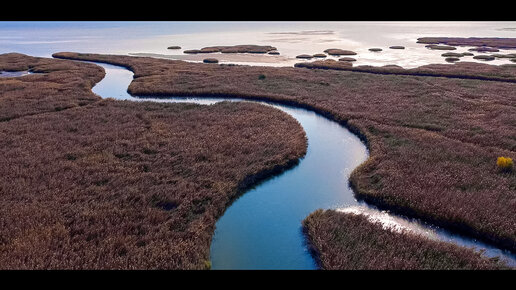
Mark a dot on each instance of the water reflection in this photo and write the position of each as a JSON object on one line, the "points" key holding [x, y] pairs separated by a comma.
{"points": [[12, 74], [291, 39]]}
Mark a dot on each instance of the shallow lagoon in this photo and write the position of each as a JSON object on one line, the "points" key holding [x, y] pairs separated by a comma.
{"points": [[291, 39]]}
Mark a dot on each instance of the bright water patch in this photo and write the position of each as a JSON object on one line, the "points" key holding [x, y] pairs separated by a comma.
{"points": [[12, 74], [291, 39], [115, 83]]}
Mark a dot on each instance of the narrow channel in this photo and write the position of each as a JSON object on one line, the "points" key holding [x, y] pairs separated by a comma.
{"points": [[262, 228]]}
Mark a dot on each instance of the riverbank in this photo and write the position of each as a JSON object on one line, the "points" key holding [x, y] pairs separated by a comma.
{"points": [[348, 241], [433, 139], [123, 185]]}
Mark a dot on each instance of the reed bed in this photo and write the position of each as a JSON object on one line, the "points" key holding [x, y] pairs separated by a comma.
{"points": [[434, 132], [127, 185], [346, 241]]}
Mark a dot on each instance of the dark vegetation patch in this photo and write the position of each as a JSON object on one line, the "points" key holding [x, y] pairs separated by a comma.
{"points": [[319, 55], [452, 54], [306, 56], [375, 49], [453, 125], [462, 70], [484, 57], [396, 47], [233, 49], [484, 49], [337, 51], [347, 59], [130, 185], [497, 42], [325, 64], [210, 60], [440, 47], [452, 59], [392, 66], [345, 241], [510, 55], [174, 47]]}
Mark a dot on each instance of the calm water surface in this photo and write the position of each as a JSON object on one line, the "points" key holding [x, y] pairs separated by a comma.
{"points": [[262, 229], [291, 39], [11, 74]]}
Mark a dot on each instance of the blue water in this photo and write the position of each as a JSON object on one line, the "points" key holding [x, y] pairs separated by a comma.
{"points": [[262, 229]]}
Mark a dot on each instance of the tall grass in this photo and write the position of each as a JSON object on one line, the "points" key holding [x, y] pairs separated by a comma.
{"points": [[345, 241], [125, 185]]}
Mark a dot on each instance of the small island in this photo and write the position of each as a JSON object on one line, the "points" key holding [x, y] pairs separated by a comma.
{"points": [[233, 49], [338, 51]]}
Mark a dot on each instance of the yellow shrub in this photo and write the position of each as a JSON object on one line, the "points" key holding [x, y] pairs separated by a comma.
{"points": [[505, 163]]}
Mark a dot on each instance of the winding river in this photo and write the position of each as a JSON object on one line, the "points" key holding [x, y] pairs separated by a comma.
{"points": [[262, 228]]}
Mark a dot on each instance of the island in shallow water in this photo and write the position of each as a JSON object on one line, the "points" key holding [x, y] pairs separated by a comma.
{"points": [[246, 48], [495, 42]]}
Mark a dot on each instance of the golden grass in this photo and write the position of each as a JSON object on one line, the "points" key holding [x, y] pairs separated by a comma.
{"points": [[505, 163]]}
